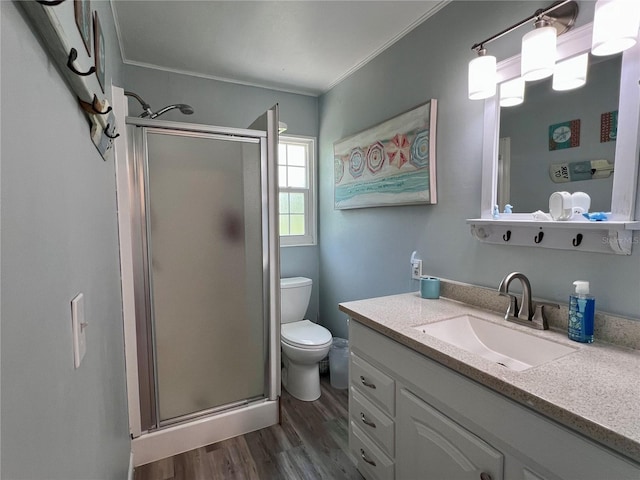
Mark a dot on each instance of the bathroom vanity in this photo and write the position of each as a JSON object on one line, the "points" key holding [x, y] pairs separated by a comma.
{"points": [[421, 407]]}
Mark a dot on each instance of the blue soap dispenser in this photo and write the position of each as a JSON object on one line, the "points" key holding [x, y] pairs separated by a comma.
{"points": [[581, 313]]}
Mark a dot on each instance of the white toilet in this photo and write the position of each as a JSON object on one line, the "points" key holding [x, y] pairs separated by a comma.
{"points": [[303, 342]]}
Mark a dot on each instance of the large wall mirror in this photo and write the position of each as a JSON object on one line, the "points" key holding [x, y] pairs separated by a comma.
{"points": [[532, 165], [523, 134]]}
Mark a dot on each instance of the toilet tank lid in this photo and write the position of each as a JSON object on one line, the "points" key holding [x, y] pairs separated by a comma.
{"points": [[295, 282]]}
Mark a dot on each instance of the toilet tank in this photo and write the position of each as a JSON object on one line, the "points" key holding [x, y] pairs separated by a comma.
{"points": [[294, 298]]}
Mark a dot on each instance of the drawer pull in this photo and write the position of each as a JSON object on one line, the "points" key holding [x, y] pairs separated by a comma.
{"points": [[364, 457], [367, 422], [485, 476], [365, 383]]}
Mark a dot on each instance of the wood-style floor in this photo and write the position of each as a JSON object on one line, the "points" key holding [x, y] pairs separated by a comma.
{"points": [[310, 443]]}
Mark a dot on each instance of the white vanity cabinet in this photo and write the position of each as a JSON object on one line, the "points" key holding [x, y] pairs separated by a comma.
{"points": [[440, 425]]}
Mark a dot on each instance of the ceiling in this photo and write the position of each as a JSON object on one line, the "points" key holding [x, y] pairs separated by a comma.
{"points": [[297, 46]]}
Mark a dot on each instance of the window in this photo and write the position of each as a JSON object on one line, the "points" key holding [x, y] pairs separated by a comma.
{"points": [[296, 184]]}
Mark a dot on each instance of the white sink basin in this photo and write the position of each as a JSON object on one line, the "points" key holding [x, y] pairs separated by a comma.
{"points": [[508, 347]]}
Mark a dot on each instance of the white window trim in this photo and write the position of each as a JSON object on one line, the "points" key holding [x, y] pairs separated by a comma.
{"points": [[312, 208]]}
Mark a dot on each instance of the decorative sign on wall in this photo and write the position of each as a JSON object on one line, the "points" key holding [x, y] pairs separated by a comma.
{"points": [[608, 126], [98, 42], [393, 163], [83, 21], [564, 135]]}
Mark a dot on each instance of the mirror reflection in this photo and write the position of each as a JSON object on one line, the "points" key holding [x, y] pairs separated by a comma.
{"points": [[561, 141]]}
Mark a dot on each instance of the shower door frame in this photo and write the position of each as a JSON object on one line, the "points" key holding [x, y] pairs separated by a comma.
{"points": [[202, 429]]}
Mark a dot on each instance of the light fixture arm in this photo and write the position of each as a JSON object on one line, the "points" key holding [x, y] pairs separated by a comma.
{"points": [[563, 19]]}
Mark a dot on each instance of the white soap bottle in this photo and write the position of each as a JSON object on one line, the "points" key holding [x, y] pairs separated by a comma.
{"points": [[581, 313]]}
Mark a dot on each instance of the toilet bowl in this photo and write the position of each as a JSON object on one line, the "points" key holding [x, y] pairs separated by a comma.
{"points": [[303, 342]]}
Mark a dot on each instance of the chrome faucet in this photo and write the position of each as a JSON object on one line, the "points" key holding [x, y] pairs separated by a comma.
{"points": [[530, 314]]}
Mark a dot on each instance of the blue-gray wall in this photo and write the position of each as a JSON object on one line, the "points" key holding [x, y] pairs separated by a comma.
{"points": [[365, 252], [230, 105], [59, 237]]}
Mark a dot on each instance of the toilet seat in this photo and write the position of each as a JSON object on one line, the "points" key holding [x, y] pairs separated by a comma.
{"points": [[305, 334]]}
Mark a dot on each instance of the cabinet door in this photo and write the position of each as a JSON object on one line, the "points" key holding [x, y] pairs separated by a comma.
{"points": [[431, 446]]}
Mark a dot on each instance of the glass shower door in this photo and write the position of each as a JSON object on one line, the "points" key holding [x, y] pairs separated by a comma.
{"points": [[206, 272]]}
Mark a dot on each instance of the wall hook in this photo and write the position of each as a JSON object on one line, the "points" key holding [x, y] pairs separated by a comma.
{"points": [[106, 132], [95, 104], [49, 3], [93, 107], [538, 238], [73, 54], [578, 240], [507, 236]]}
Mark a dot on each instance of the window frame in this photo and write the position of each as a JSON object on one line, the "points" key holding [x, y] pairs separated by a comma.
{"points": [[311, 207]]}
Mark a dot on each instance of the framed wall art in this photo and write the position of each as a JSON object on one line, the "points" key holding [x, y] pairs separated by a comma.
{"points": [[564, 135], [608, 126], [82, 10], [98, 43], [393, 163]]}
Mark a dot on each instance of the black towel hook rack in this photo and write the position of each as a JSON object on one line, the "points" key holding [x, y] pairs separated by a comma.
{"points": [[73, 55], [49, 3], [538, 238], [507, 236]]}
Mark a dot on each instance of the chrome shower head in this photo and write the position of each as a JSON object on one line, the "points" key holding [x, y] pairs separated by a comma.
{"points": [[184, 109]]}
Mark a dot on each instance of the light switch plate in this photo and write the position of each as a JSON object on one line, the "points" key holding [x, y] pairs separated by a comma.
{"points": [[79, 327]]}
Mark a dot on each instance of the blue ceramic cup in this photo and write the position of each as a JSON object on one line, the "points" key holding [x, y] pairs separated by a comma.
{"points": [[429, 287]]}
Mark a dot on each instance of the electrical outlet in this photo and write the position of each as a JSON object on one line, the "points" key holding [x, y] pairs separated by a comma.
{"points": [[416, 269]]}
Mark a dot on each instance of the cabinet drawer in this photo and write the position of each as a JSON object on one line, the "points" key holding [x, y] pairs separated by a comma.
{"points": [[374, 384], [372, 463], [372, 421]]}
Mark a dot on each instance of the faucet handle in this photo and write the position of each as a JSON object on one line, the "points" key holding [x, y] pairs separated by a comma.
{"points": [[539, 319], [512, 310]]}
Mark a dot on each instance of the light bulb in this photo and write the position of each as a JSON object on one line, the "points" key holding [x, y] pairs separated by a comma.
{"points": [[538, 53], [482, 76], [615, 26], [571, 73], [512, 92]]}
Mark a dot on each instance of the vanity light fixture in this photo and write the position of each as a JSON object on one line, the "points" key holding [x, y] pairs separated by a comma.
{"points": [[482, 75], [512, 92], [557, 18], [571, 73], [538, 57], [615, 26]]}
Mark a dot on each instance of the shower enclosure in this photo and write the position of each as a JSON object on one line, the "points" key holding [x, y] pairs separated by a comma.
{"points": [[205, 276]]}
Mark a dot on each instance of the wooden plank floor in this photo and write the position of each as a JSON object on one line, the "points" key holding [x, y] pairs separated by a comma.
{"points": [[311, 443]]}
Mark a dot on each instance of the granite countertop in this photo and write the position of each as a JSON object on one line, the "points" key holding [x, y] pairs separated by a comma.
{"points": [[594, 390]]}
